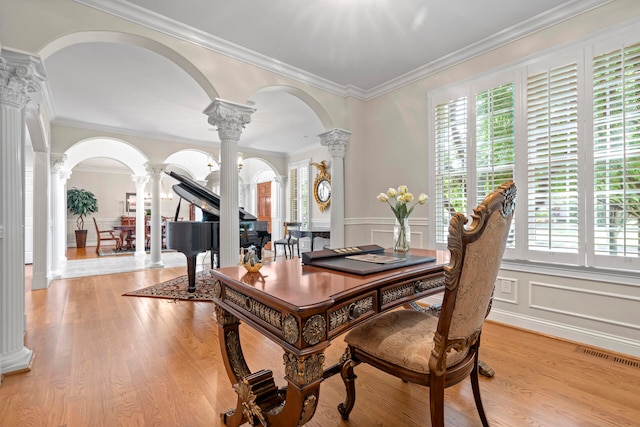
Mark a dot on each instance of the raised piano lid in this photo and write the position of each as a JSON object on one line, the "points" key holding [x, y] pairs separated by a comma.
{"points": [[202, 197]]}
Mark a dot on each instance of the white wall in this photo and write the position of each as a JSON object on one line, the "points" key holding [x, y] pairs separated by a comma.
{"points": [[388, 147], [110, 190], [581, 305]]}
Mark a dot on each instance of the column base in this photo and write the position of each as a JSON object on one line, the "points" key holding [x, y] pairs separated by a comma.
{"points": [[158, 264], [16, 362], [40, 281]]}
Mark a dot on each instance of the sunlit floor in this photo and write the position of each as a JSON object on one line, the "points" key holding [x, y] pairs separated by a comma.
{"points": [[85, 262], [126, 263]]}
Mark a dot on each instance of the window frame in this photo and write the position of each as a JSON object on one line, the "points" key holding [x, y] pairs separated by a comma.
{"points": [[583, 54], [303, 182]]}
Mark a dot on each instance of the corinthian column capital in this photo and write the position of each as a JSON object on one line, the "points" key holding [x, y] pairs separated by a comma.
{"points": [[139, 179], [57, 161], [155, 170], [20, 74], [336, 141], [230, 118], [64, 175]]}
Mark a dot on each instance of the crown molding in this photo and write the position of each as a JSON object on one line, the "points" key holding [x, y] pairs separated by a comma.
{"points": [[155, 21], [198, 37], [495, 41], [207, 145], [61, 121], [93, 169]]}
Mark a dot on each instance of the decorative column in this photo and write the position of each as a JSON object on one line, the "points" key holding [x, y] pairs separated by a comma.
{"points": [[41, 203], [155, 171], [336, 142], [20, 74], [230, 118], [41, 266], [140, 181], [61, 216], [58, 223]]}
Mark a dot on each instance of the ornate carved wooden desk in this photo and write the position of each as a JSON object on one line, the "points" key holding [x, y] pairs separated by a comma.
{"points": [[302, 308]]}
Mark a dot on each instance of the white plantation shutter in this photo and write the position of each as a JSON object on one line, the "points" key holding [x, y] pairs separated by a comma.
{"points": [[552, 130], [495, 142], [567, 131], [303, 190], [299, 192], [293, 194], [616, 152], [451, 163]]}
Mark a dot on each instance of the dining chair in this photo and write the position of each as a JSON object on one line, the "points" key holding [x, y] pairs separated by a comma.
{"points": [[106, 235], [163, 231], [433, 351], [290, 240]]}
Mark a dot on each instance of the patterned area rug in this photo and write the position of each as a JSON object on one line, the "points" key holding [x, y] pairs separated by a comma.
{"points": [[114, 252], [176, 289]]}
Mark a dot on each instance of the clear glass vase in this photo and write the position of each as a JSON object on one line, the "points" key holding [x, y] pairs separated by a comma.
{"points": [[402, 235]]}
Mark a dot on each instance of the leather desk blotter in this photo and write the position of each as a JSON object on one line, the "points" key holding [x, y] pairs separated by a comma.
{"points": [[343, 259]]}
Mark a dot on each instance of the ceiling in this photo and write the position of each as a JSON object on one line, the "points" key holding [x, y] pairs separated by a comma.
{"points": [[360, 48]]}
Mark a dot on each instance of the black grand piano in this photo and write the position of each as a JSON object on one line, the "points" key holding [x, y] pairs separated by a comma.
{"points": [[194, 237]]}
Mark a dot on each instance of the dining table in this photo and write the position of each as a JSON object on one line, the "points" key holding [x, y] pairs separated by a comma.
{"points": [[127, 239]]}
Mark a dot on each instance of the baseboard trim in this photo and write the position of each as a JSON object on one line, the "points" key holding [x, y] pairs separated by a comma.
{"points": [[572, 333]]}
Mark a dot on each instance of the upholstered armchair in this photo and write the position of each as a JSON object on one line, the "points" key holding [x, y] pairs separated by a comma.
{"points": [[440, 351]]}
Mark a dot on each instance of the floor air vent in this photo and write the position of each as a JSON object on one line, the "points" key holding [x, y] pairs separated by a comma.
{"points": [[607, 356]]}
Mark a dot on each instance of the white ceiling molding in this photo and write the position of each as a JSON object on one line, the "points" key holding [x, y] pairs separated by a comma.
{"points": [[206, 145], [130, 132], [504, 37], [173, 28]]}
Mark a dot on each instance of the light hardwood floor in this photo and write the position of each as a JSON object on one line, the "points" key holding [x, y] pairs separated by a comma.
{"points": [[102, 359]]}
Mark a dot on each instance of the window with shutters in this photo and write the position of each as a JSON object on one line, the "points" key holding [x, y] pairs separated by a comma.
{"points": [[616, 152], [566, 128], [552, 160], [494, 143], [293, 193], [299, 192], [451, 161], [493, 148]]}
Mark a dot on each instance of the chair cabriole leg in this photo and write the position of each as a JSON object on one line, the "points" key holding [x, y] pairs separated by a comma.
{"points": [[349, 379]]}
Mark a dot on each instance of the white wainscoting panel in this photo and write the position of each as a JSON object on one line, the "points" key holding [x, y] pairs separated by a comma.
{"points": [[598, 306]]}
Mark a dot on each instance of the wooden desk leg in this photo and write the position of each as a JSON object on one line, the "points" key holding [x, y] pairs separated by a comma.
{"points": [[259, 401], [304, 375], [233, 358]]}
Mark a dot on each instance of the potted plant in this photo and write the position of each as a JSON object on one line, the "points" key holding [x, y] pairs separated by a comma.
{"points": [[81, 202]]}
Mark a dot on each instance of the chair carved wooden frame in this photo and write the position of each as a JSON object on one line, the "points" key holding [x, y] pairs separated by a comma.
{"points": [[439, 352], [290, 240], [106, 235]]}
